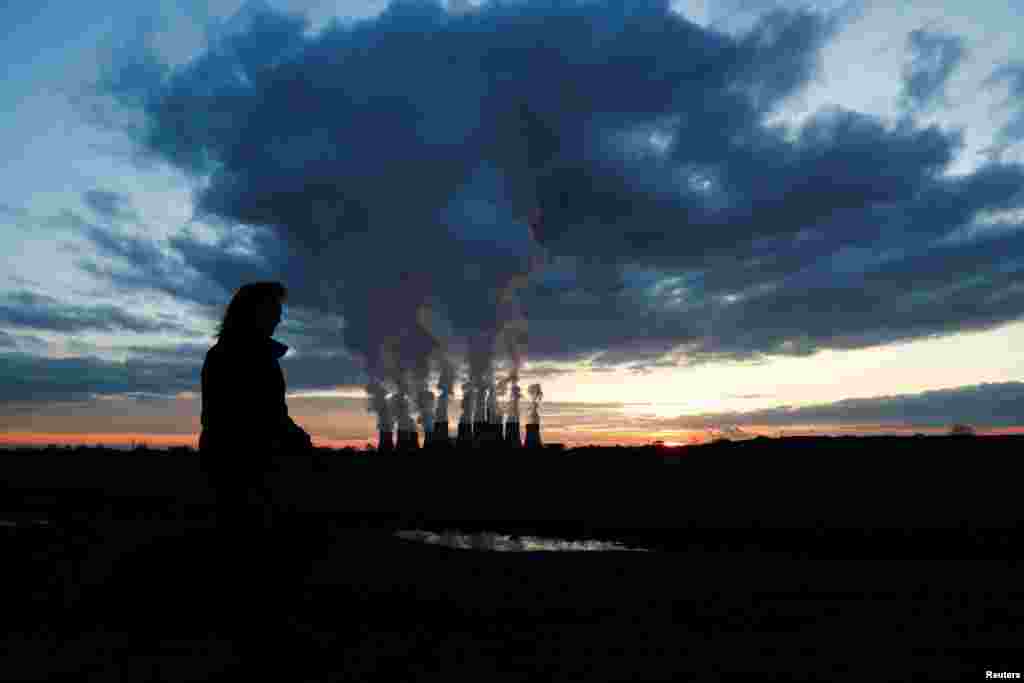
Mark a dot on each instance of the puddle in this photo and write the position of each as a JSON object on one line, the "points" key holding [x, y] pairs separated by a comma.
{"points": [[491, 541]]}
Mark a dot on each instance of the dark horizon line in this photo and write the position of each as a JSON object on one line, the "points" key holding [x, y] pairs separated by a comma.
{"points": [[654, 444]]}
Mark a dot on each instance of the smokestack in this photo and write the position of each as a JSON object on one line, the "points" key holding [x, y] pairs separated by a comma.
{"points": [[533, 436], [533, 427], [480, 414], [494, 427], [466, 423], [492, 405], [479, 417], [378, 403], [408, 438], [384, 444], [444, 388]]}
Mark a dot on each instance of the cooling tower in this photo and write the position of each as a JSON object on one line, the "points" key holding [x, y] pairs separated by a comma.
{"points": [[465, 438], [512, 436], [439, 437], [408, 440], [533, 436], [384, 443], [490, 435], [479, 431]]}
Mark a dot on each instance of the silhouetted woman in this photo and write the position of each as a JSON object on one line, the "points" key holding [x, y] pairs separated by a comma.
{"points": [[243, 386], [245, 420]]}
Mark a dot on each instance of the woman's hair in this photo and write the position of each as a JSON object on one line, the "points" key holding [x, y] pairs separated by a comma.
{"points": [[249, 304]]}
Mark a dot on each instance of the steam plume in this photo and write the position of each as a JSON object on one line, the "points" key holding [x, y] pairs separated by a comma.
{"points": [[422, 395], [467, 402], [426, 403], [500, 389], [378, 403], [481, 403], [400, 410], [513, 410], [444, 388], [535, 395], [492, 404]]}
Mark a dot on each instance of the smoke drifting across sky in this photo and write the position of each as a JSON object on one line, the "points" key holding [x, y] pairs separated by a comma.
{"points": [[395, 162]]}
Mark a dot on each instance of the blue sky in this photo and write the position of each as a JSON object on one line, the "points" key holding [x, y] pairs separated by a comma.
{"points": [[757, 216]]}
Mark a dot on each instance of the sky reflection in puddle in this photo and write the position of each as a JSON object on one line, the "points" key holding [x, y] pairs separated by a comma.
{"points": [[495, 542]]}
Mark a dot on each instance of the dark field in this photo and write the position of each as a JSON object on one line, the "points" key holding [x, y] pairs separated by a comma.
{"points": [[867, 559]]}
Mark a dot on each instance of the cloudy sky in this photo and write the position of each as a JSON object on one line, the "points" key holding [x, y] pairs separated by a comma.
{"points": [[682, 219]]}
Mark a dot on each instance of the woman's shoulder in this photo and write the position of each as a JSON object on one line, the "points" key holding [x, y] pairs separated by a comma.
{"points": [[232, 352]]}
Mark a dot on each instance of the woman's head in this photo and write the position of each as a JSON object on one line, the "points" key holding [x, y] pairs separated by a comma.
{"points": [[254, 310]]}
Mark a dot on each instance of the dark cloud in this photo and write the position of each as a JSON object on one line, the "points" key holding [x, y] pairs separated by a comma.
{"points": [[108, 205], [139, 253], [981, 405], [944, 289], [306, 367], [212, 272], [29, 379], [155, 373], [355, 139], [23, 308], [307, 371], [392, 165], [13, 341], [933, 58], [179, 353], [1011, 75]]}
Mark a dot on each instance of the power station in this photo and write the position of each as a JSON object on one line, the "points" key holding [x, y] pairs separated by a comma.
{"points": [[480, 434]]}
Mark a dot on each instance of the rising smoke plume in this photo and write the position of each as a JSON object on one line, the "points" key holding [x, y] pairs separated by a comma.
{"points": [[444, 389], [426, 405], [500, 390], [513, 408], [422, 395], [482, 395], [492, 403], [378, 403], [467, 403], [481, 374], [400, 412], [535, 395]]}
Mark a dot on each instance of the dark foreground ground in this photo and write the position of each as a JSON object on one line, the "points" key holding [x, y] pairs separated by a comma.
{"points": [[919, 579]]}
